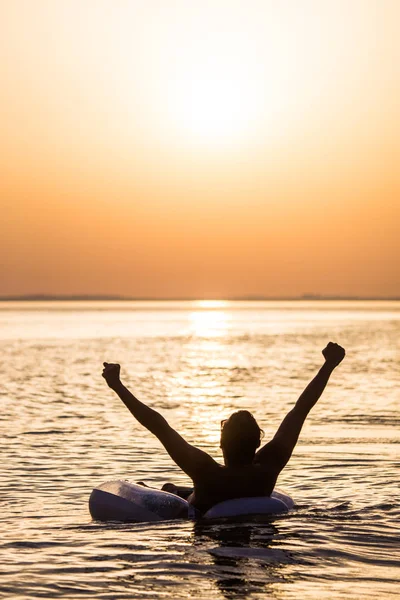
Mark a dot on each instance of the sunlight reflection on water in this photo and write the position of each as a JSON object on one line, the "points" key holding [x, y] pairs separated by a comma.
{"points": [[208, 323]]}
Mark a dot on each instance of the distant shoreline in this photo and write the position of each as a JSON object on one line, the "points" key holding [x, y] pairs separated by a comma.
{"points": [[99, 298]]}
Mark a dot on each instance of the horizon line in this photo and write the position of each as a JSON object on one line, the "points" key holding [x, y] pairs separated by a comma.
{"points": [[250, 298]]}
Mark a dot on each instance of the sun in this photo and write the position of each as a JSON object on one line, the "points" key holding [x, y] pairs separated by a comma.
{"points": [[221, 94], [211, 108]]}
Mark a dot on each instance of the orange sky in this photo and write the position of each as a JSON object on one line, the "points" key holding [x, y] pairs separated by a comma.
{"points": [[209, 148]]}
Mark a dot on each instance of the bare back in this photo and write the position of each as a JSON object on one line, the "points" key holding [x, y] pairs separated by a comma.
{"points": [[218, 483]]}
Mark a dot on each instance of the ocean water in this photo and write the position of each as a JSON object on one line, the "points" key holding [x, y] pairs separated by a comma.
{"points": [[63, 432]]}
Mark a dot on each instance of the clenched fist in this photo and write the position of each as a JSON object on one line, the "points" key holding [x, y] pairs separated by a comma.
{"points": [[111, 373], [333, 354]]}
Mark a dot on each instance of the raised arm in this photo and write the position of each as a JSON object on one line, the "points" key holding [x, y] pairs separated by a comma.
{"points": [[279, 450], [189, 458]]}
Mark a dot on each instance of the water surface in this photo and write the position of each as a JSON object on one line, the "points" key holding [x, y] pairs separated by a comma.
{"points": [[64, 432]]}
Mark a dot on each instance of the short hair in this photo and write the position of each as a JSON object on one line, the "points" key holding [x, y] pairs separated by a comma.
{"points": [[240, 437]]}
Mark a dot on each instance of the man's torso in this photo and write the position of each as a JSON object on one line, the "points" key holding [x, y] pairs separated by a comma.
{"points": [[224, 483]]}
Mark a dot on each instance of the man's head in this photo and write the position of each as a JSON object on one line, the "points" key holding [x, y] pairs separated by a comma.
{"points": [[240, 438]]}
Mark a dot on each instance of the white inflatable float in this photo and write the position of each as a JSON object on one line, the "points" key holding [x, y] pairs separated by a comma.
{"points": [[124, 501]]}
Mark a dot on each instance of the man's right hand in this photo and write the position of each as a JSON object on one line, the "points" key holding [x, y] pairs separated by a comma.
{"points": [[333, 354], [111, 373]]}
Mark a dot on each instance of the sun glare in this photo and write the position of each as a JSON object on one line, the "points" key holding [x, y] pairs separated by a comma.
{"points": [[225, 90], [213, 109]]}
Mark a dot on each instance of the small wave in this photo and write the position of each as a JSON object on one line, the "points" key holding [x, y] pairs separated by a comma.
{"points": [[45, 432], [264, 554]]}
